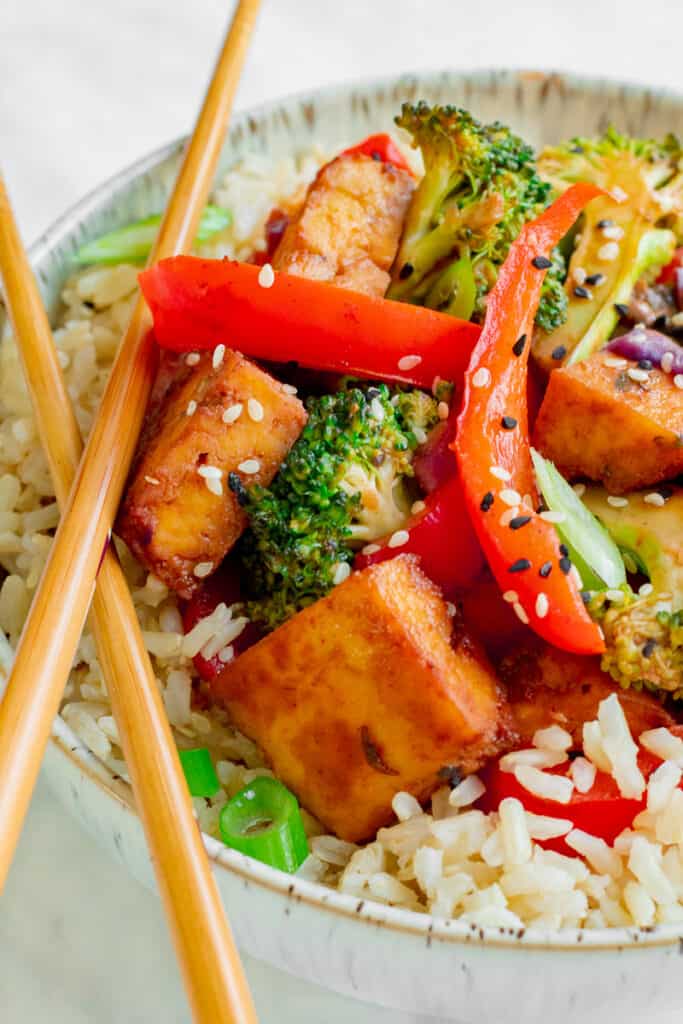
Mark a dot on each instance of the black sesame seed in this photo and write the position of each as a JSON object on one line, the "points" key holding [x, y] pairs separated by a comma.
{"points": [[606, 223], [564, 550], [518, 346], [376, 156], [581, 292], [565, 565], [665, 491], [586, 596], [576, 148], [559, 353], [541, 262], [451, 774], [405, 271], [648, 648], [518, 522], [238, 489], [508, 422], [486, 501], [545, 569], [594, 279], [660, 322], [645, 364], [541, 507], [520, 565], [621, 308]]}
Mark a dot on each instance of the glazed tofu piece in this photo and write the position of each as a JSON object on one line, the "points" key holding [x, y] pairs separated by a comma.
{"points": [[597, 422], [547, 686], [364, 694], [178, 516], [349, 227]]}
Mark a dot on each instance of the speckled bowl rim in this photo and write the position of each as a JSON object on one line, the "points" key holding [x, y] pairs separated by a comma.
{"points": [[423, 926]]}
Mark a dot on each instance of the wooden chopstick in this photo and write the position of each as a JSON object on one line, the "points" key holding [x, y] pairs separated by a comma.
{"points": [[213, 974]]}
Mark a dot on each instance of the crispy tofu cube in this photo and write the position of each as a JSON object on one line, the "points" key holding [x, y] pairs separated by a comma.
{"points": [[179, 517], [349, 227], [597, 422], [363, 694]]}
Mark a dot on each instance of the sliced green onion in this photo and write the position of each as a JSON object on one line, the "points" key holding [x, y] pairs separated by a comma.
{"points": [[200, 773], [133, 243], [591, 548], [263, 820]]}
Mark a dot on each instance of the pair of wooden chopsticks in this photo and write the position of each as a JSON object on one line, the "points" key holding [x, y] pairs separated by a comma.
{"points": [[214, 979]]}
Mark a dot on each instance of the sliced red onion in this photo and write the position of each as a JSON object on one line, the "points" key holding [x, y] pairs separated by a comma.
{"points": [[644, 343]]}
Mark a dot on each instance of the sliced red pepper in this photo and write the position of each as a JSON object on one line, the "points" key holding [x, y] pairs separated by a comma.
{"points": [[276, 225], [443, 537], [667, 274], [196, 304], [602, 811], [222, 587], [493, 435], [381, 147]]}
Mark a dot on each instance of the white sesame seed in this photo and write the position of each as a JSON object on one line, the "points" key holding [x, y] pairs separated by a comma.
{"points": [[202, 569], [579, 490], [618, 194], [226, 654], [500, 473], [218, 356], [191, 408], [249, 466], [417, 507], [511, 596], [377, 409], [255, 410], [645, 590], [678, 381], [508, 515], [215, 486], [451, 609], [551, 516], [520, 613], [640, 376], [420, 435], [608, 252], [192, 358], [615, 362], [613, 231], [443, 409], [579, 275], [398, 539], [576, 576], [395, 400], [542, 605], [210, 472], [482, 378], [616, 502], [615, 595], [409, 362], [510, 497], [342, 571], [667, 362], [655, 498], [232, 413], [152, 480], [289, 389], [370, 549], [266, 276]]}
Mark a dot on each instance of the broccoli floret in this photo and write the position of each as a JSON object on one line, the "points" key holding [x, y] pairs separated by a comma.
{"points": [[345, 483], [480, 186], [644, 641], [618, 242]]}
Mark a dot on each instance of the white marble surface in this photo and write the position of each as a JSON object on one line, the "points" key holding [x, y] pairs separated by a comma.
{"points": [[86, 87]]}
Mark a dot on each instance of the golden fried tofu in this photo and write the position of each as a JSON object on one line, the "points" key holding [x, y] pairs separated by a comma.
{"points": [[363, 694], [597, 422], [178, 516], [349, 227], [547, 686]]}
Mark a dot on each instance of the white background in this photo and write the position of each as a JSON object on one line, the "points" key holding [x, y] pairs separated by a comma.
{"points": [[85, 88]]}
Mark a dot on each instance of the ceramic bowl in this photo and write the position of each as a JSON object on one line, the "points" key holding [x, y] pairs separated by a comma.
{"points": [[392, 957]]}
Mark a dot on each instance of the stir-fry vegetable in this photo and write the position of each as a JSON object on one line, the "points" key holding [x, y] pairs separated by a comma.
{"points": [[641, 343], [492, 444], [198, 303], [200, 773], [133, 243], [380, 147], [263, 821], [591, 548]]}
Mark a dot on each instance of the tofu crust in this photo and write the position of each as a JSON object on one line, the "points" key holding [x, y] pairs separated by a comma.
{"points": [[170, 518], [349, 227], [365, 693]]}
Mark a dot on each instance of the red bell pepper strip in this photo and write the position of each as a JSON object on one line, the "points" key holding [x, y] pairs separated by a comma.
{"points": [[222, 587], [381, 147], [196, 304], [442, 535], [667, 274], [492, 442]]}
